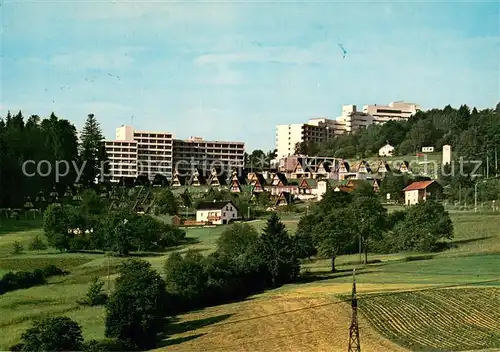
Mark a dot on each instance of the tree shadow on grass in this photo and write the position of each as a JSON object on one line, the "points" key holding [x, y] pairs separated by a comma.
{"points": [[457, 243], [182, 327], [328, 275], [178, 340], [12, 225]]}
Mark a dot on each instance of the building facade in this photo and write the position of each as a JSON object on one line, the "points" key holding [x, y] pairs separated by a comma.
{"points": [[197, 153], [134, 153], [316, 130], [217, 213], [397, 110], [421, 191], [319, 130]]}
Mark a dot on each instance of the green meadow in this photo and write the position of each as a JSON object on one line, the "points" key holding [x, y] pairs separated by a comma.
{"points": [[473, 261]]}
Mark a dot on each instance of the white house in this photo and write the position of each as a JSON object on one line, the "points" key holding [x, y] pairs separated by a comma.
{"points": [[420, 191], [386, 150], [216, 212], [321, 189]]}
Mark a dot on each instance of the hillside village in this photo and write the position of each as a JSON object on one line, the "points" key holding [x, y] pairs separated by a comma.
{"points": [[249, 176]]}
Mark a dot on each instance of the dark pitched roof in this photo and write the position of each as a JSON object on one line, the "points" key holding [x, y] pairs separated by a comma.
{"points": [[326, 165], [199, 174], [214, 205], [281, 177]]}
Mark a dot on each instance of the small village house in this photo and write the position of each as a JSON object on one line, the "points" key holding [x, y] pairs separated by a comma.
{"points": [[217, 213], [386, 150], [421, 191]]}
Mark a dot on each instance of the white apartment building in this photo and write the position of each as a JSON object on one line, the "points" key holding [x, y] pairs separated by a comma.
{"points": [[320, 129], [397, 110], [352, 120], [197, 153], [122, 156], [135, 153], [316, 130]]}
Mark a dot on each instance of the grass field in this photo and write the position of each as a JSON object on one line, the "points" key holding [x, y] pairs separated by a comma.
{"points": [[298, 317]]}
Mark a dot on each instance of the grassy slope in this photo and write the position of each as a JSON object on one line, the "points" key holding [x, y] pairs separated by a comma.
{"points": [[310, 328]]}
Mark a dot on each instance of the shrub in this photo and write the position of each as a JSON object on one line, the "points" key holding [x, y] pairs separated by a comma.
{"points": [[106, 345], [53, 334], [25, 279], [17, 248], [37, 244], [95, 295]]}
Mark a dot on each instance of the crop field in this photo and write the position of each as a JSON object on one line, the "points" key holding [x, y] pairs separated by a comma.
{"points": [[459, 319], [297, 317], [272, 323]]}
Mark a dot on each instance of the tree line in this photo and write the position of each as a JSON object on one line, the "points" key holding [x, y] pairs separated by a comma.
{"points": [[472, 134], [140, 309], [91, 225], [51, 139]]}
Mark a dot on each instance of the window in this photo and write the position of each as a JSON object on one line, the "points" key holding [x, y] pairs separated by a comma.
{"points": [[233, 215], [227, 207], [223, 214]]}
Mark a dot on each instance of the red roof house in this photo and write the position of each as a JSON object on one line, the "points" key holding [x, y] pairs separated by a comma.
{"points": [[420, 191]]}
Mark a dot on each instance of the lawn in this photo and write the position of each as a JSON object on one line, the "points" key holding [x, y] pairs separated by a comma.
{"points": [[319, 320]]}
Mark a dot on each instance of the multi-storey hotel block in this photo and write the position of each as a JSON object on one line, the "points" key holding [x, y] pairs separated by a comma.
{"points": [[135, 153], [321, 129], [196, 153]]}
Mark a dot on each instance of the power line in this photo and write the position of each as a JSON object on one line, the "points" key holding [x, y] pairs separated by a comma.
{"points": [[365, 296], [359, 296]]}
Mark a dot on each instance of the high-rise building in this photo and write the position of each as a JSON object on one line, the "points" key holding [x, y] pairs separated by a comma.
{"points": [[135, 153], [315, 130], [321, 129], [397, 110], [197, 153]]}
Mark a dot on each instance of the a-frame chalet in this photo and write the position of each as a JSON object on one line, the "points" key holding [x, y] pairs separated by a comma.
{"points": [[362, 167], [236, 182], [404, 167], [284, 198], [322, 170], [279, 180], [196, 179], [301, 171], [177, 180], [343, 167], [217, 178], [306, 186], [382, 167]]}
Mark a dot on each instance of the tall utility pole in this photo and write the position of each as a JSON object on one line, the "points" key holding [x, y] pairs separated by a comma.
{"points": [[354, 345]]}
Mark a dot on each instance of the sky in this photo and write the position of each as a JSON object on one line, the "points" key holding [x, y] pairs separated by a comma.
{"points": [[235, 70]]}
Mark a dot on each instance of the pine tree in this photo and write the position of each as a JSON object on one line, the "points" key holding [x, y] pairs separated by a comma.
{"points": [[278, 251], [92, 151]]}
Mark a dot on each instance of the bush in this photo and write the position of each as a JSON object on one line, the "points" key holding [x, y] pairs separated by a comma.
{"points": [[53, 334], [17, 248], [37, 244], [106, 345], [25, 279], [95, 295]]}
